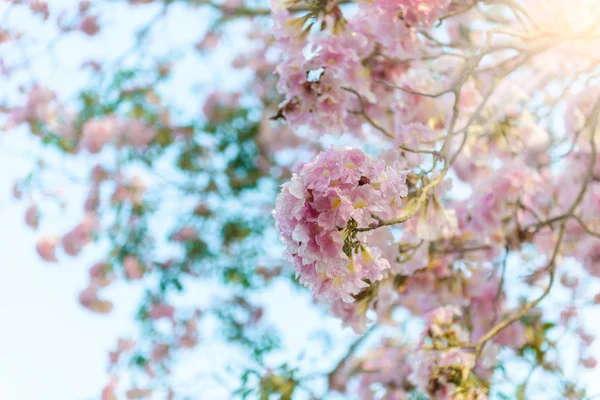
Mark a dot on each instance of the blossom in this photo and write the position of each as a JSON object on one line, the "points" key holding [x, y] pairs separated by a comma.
{"points": [[277, 6], [100, 274], [39, 107], [97, 132], [185, 234], [158, 311], [189, 339], [353, 315], [90, 300], [441, 373], [73, 241], [123, 346], [579, 109], [137, 393], [137, 133], [589, 362], [46, 248], [218, 105], [92, 202], [16, 191], [132, 267], [131, 190], [210, 41], [313, 211], [435, 221], [32, 217], [315, 86], [159, 351], [418, 12], [441, 331], [108, 392], [507, 185], [386, 365], [89, 25]]}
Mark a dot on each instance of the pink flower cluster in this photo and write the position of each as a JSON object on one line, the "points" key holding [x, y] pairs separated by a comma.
{"points": [[81, 235], [219, 104], [385, 365], [158, 353], [314, 86], [72, 242], [397, 369], [507, 185], [98, 132], [441, 367], [437, 372], [417, 12], [90, 300], [315, 211], [38, 107], [101, 276]]}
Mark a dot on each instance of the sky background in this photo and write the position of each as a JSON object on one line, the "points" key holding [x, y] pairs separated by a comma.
{"points": [[50, 347]]}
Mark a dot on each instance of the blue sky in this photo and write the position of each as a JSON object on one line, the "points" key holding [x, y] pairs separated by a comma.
{"points": [[51, 348]]}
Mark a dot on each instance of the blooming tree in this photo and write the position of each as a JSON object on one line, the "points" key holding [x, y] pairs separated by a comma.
{"points": [[427, 169]]}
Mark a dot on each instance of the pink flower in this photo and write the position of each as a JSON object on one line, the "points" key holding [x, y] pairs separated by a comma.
{"points": [[418, 12], [100, 274], [81, 235], [40, 7], [218, 105], [39, 107], [123, 346], [89, 299], [84, 5], [444, 315], [149, 370], [190, 336], [131, 191], [32, 217], [99, 173], [314, 87], [434, 372], [441, 326], [160, 351], [351, 315], [569, 281], [89, 25], [435, 221], [158, 311], [579, 108], [506, 185], [132, 267], [97, 132], [567, 314], [108, 392], [16, 191], [46, 248], [137, 133], [589, 362], [586, 338], [136, 393], [92, 202], [185, 234], [312, 213], [210, 41]]}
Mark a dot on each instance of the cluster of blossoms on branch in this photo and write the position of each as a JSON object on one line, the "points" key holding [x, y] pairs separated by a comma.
{"points": [[318, 213], [357, 77]]}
